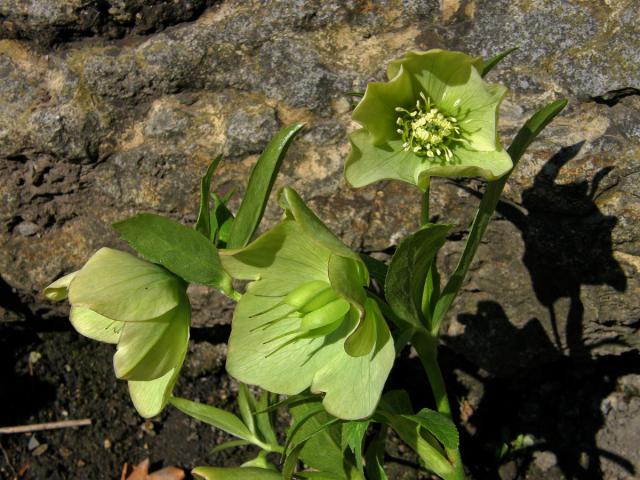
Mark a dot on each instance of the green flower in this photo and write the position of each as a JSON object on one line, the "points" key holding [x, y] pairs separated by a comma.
{"points": [[435, 116], [143, 308], [305, 319]]}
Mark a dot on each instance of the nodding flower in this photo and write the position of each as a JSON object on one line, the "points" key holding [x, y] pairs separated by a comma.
{"points": [[306, 320], [139, 306]]}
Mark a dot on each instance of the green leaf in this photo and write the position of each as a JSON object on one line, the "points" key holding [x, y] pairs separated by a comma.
{"points": [[229, 444], [264, 419], [408, 271], [221, 220], [216, 417], [203, 223], [353, 438], [260, 461], [375, 456], [493, 61], [525, 136], [246, 405], [323, 450], [290, 463], [377, 269], [441, 426], [241, 473], [261, 181], [181, 250]]}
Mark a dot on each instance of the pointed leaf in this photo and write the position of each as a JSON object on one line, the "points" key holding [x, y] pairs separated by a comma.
{"points": [[221, 220], [203, 223], [408, 271], [240, 473], [229, 444], [261, 181], [353, 438], [525, 136], [214, 416], [179, 249], [246, 405], [441, 426], [493, 61], [375, 456]]}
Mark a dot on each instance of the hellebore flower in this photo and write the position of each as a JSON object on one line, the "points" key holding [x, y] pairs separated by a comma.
{"points": [[435, 116], [143, 308], [305, 319]]}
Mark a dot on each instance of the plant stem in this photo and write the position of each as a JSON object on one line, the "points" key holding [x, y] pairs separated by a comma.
{"points": [[427, 347], [424, 217]]}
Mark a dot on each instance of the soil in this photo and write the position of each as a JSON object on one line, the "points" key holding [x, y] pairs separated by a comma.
{"points": [[555, 411]]}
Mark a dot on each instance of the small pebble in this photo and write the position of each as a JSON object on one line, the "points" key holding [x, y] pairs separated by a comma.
{"points": [[81, 463], [34, 357], [40, 450], [65, 452], [107, 443], [33, 443]]}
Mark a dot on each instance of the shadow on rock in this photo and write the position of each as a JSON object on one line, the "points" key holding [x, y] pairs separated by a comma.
{"points": [[553, 408], [556, 405]]}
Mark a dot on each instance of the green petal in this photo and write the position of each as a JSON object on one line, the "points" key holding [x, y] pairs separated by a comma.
{"points": [[148, 350], [377, 109], [452, 81], [352, 385], [314, 228], [369, 163], [95, 326], [59, 289], [120, 286], [283, 258], [150, 397]]}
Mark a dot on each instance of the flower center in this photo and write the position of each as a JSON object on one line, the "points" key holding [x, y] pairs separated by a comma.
{"points": [[426, 131]]}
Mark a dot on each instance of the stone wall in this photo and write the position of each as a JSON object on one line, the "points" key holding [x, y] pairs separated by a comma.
{"points": [[108, 108]]}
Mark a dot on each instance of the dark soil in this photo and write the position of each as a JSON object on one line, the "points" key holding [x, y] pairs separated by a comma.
{"points": [[557, 406]]}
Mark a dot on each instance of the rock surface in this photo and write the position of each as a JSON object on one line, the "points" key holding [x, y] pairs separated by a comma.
{"points": [[112, 108]]}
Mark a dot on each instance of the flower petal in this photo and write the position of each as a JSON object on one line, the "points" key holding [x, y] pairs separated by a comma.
{"points": [[148, 350], [283, 258], [150, 397], [59, 289], [95, 326], [377, 109], [122, 287]]}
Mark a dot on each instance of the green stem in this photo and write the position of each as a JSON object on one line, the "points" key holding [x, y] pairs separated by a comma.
{"points": [[427, 347], [424, 217]]}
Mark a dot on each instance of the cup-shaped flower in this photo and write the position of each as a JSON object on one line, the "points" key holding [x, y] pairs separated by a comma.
{"points": [[305, 320], [435, 116], [140, 306]]}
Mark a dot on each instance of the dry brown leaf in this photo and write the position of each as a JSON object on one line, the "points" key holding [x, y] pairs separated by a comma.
{"points": [[141, 472]]}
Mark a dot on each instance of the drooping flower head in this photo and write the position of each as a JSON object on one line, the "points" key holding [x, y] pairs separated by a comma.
{"points": [[305, 319], [140, 306], [435, 116]]}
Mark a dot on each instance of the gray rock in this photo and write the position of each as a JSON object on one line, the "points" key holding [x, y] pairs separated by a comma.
{"points": [[96, 130]]}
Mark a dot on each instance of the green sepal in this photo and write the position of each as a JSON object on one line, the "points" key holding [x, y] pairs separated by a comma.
{"points": [[59, 290], [119, 286], [148, 350], [95, 326], [149, 397]]}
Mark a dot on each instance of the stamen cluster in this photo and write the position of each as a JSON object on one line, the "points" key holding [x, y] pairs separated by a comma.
{"points": [[426, 131]]}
